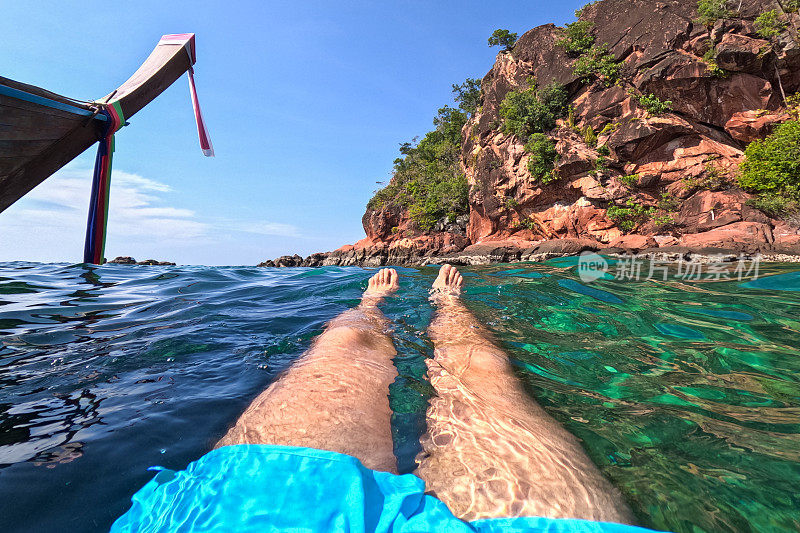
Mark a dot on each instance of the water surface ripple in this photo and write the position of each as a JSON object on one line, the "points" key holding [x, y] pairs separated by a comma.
{"points": [[686, 395]]}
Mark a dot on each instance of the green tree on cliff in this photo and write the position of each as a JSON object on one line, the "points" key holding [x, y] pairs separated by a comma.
{"points": [[710, 11], [503, 38], [577, 38], [427, 179], [448, 122], [598, 63], [769, 24], [533, 110], [543, 157], [771, 169], [468, 95]]}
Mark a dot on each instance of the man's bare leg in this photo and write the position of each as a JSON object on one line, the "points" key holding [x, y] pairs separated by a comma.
{"points": [[336, 396], [490, 450]]}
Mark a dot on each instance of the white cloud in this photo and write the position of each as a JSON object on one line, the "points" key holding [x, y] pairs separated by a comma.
{"points": [[48, 224], [135, 209], [267, 228], [140, 182]]}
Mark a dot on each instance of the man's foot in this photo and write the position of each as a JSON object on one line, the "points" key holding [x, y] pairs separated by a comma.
{"points": [[383, 283], [449, 281]]}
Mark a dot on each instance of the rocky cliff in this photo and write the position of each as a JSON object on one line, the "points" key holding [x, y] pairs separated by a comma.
{"points": [[645, 158]]}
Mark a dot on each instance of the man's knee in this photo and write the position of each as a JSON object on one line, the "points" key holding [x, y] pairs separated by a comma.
{"points": [[345, 335]]}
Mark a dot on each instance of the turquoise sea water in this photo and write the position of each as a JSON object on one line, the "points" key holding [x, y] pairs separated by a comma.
{"points": [[686, 394]]}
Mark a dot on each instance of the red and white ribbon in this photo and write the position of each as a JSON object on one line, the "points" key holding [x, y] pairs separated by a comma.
{"points": [[187, 40], [202, 131]]}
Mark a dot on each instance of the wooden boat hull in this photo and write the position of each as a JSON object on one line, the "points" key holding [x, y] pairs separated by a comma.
{"points": [[40, 131]]}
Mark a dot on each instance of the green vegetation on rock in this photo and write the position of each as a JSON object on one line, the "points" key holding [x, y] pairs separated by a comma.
{"points": [[526, 223], [609, 128], [793, 105], [468, 95], [710, 59], [714, 179], [652, 104], [600, 165], [771, 169], [710, 11], [543, 157], [774, 205], [427, 178], [533, 110], [668, 202], [589, 136], [631, 180], [528, 113], [598, 62], [630, 215], [663, 220], [577, 38], [503, 38], [592, 60], [769, 25]]}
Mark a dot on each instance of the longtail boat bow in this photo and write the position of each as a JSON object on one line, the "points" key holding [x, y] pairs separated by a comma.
{"points": [[41, 131]]}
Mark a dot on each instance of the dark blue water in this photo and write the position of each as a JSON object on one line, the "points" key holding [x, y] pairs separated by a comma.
{"points": [[687, 395]]}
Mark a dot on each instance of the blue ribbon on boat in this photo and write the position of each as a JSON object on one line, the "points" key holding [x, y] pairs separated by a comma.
{"points": [[96, 215], [47, 102]]}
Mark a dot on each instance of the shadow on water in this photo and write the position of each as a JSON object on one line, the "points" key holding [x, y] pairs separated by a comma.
{"points": [[686, 395]]}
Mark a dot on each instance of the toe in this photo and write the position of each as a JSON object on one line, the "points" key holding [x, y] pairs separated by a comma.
{"points": [[448, 281], [452, 276]]}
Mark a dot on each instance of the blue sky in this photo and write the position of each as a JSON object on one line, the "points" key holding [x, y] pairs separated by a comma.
{"points": [[306, 103]]}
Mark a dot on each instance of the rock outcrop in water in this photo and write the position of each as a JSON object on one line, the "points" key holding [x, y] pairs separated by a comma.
{"points": [[667, 174], [128, 260]]}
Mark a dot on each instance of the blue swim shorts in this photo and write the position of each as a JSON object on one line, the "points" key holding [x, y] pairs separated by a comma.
{"points": [[267, 488]]}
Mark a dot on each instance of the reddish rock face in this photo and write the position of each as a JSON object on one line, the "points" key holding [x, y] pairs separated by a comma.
{"points": [[686, 82], [747, 126], [380, 224], [707, 210], [787, 238], [634, 140], [740, 53], [634, 242], [480, 225], [746, 236], [597, 105], [679, 166], [674, 165]]}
